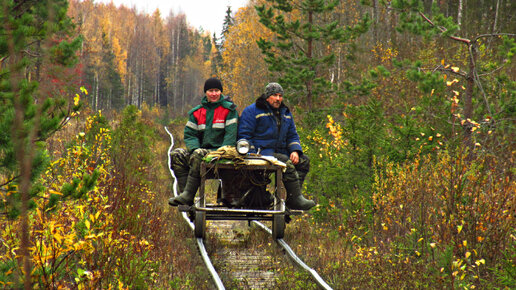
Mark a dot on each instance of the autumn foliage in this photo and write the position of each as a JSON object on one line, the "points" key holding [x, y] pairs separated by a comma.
{"points": [[94, 225], [408, 123]]}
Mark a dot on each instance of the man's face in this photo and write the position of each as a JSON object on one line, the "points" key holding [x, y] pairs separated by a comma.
{"points": [[275, 100], [213, 95]]}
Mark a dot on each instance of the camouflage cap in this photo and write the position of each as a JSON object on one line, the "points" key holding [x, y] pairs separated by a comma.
{"points": [[273, 88]]}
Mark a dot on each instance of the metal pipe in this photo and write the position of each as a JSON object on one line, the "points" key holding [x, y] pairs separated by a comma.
{"points": [[233, 210]]}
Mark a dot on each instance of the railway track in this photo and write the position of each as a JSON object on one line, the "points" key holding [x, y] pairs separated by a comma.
{"points": [[243, 270]]}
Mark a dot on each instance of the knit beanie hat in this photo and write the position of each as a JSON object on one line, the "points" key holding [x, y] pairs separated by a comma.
{"points": [[212, 83], [273, 88]]}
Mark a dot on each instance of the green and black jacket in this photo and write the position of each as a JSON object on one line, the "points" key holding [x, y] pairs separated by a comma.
{"points": [[211, 125]]}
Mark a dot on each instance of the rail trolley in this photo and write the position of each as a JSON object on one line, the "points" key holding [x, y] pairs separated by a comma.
{"points": [[246, 191]]}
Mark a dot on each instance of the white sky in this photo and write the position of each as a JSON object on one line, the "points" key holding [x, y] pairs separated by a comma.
{"points": [[208, 14]]}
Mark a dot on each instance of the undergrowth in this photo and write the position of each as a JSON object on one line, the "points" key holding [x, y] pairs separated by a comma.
{"points": [[101, 220]]}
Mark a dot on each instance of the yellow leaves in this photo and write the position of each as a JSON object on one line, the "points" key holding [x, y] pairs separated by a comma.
{"points": [[335, 142], [480, 262], [384, 54], [121, 285], [76, 100], [452, 68], [51, 191], [450, 83]]}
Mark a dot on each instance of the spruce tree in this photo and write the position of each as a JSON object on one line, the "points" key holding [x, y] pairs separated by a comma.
{"points": [[228, 22], [217, 63]]}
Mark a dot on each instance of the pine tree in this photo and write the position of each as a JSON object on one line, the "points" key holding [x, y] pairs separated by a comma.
{"points": [[33, 39], [303, 32], [414, 19]]}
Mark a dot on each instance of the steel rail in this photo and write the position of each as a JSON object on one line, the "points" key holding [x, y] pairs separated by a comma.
{"points": [[200, 243], [294, 257]]}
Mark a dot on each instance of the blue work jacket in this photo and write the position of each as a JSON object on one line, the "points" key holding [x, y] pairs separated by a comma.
{"points": [[258, 125]]}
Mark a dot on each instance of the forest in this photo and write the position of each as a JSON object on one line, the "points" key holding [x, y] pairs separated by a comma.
{"points": [[406, 109]]}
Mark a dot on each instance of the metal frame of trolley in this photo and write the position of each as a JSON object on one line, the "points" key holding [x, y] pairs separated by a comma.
{"points": [[201, 211]]}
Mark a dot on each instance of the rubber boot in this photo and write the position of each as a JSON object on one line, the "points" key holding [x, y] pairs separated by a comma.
{"points": [[188, 195], [181, 182], [295, 199]]}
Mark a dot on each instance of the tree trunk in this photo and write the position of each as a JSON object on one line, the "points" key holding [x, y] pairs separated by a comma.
{"points": [[96, 86], [24, 155], [468, 98], [459, 14], [309, 82], [376, 20], [496, 16]]}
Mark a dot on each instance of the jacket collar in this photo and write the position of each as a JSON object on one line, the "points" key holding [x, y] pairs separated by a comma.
{"points": [[208, 104]]}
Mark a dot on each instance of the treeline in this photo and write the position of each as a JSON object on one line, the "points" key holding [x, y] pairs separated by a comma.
{"points": [[159, 59], [130, 58]]}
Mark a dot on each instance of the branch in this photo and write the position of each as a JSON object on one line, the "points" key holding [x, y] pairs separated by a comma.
{"points": [[493, 71], [442, 29], [476, 78], [494, 35], [32, 54], [477, 81], [9, 181], [448, 70]]}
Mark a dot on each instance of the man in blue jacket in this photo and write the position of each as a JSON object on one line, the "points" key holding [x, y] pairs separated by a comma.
{"points": [[269, 127]]}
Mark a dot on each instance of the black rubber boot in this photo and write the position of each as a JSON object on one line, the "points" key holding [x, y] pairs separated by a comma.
{"points": [[295, 199], [188, 195]]}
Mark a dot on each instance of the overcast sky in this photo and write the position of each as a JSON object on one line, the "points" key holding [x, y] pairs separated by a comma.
{"points": [[208, 14]]}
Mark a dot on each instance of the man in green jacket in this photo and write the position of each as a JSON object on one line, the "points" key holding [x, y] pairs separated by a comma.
{"points": [[211, 125]]}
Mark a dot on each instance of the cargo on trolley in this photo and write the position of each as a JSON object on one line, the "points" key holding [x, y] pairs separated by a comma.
{"points": [[250, 187]]}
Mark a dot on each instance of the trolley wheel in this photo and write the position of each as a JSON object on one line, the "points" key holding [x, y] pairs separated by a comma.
{"points": [[200, 224], [278, 226]]}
